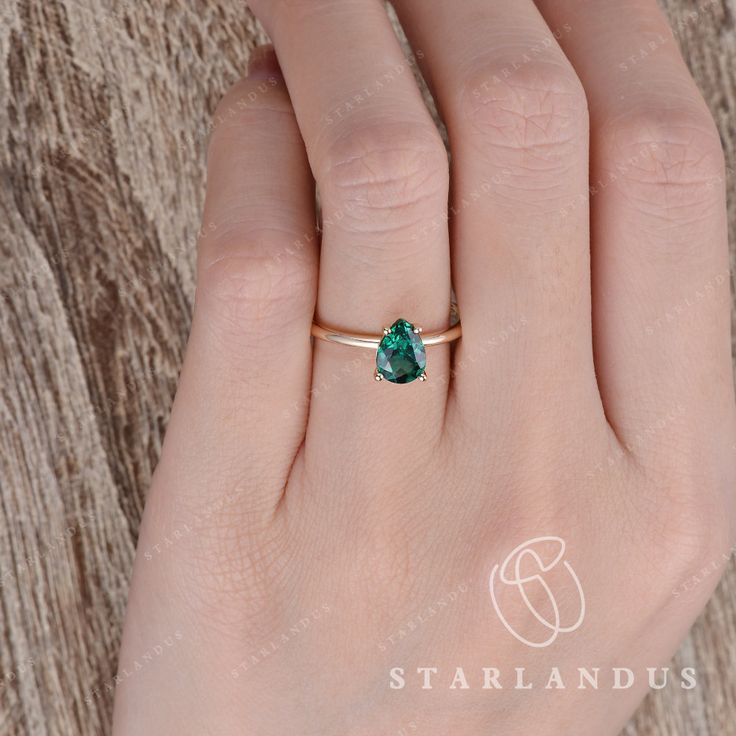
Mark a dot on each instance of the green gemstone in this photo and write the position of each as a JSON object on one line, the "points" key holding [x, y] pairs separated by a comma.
{"points": [[401, 357]]}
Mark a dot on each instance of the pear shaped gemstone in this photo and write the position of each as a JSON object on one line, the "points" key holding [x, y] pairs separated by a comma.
{"points": [[401, 357]]}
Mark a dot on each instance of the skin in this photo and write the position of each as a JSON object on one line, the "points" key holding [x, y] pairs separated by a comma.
{"points": [[302, 514]]}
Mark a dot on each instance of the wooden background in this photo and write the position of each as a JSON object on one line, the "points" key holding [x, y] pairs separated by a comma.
{"points": [[104, 113]]}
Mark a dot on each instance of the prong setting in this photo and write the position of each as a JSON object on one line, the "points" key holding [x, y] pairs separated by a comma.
{"points": [[423, 376], [400, 356]]}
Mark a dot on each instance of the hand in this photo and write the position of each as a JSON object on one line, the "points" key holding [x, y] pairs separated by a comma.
{"points": [[313, 537]]}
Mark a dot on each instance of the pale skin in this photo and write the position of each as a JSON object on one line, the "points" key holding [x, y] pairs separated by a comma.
{"points": [[590, 396]]}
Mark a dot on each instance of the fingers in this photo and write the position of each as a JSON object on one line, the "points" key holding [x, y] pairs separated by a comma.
{"points": [[381, 171], [660, 258], [249, 356], [518, 127]]}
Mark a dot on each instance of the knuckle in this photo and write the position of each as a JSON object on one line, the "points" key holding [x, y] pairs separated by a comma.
{"points": [[251, 278], [669, 162], [687, 546], [388, 176], [537, 106], [684, 515]]}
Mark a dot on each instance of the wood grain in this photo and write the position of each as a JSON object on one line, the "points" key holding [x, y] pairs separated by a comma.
{"points": [[105, 109]]}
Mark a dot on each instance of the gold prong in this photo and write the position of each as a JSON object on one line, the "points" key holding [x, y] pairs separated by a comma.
{"points": [[386, 330], [417, 330], [423, 376], [377, 376]]}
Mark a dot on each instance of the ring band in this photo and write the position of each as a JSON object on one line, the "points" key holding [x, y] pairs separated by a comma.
{"points": [[400, 354], [358, 340]]}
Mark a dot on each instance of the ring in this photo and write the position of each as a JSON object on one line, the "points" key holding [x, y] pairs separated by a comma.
{"points": [[400, 354]]}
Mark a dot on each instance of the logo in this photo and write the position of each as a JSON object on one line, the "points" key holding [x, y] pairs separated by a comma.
{"points": [[524, 570]]}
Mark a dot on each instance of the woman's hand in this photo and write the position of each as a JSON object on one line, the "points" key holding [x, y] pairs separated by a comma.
{"points": [[313, 537]]}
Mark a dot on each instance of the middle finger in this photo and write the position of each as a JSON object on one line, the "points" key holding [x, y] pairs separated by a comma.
{"points": [[518, 127]]}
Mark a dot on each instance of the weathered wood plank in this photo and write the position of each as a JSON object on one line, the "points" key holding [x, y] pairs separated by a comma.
{"points": [[104, 113]]}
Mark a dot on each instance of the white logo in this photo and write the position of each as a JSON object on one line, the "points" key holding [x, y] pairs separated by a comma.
{"points": [[510, 573]]}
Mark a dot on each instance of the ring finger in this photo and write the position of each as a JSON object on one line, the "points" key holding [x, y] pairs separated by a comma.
{"points": [[382, 177]]}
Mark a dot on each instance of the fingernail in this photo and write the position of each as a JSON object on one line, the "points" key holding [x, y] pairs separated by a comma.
{"points": [[263, 62]]}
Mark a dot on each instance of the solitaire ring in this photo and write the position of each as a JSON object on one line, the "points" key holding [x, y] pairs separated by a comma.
{"points": [[400, 353]]}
